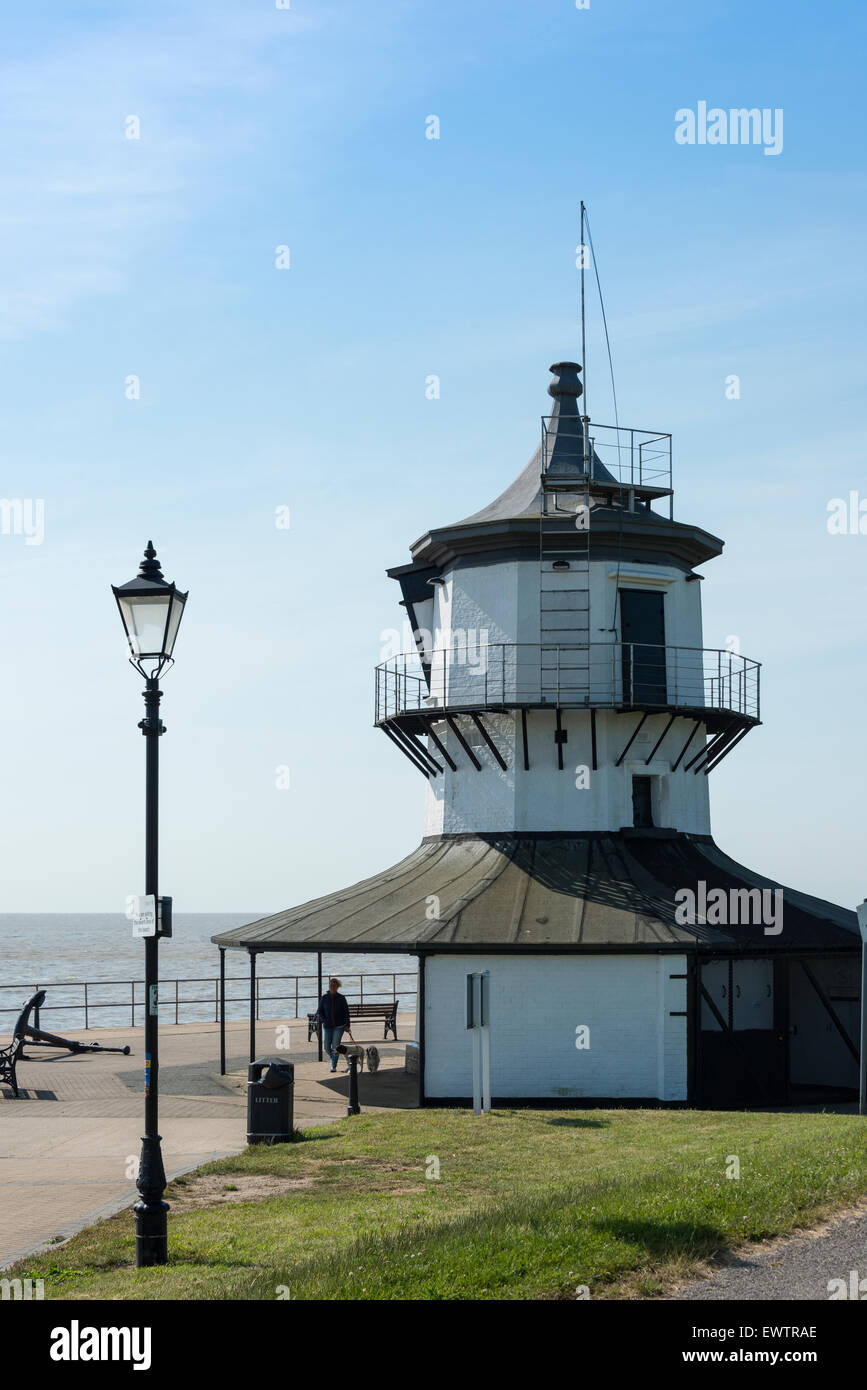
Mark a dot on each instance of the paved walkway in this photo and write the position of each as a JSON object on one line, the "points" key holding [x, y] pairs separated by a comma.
{"points": [[70, 1143], [800, 1267]]}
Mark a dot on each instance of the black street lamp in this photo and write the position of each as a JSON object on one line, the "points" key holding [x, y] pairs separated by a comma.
{"points": [[151, 610]]}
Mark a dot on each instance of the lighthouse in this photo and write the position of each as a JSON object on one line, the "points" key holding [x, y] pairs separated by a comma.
{"points": [[559, 647], [559, 701]]}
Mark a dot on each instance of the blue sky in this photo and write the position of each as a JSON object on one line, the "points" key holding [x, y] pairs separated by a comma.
{"points": [[304, 388]]}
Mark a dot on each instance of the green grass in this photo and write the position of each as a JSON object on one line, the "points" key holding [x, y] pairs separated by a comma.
{"points": [[528, 1205]]}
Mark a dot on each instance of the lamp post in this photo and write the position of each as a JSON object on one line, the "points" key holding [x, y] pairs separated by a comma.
{"points": [[862, 1067], [151, 610]]}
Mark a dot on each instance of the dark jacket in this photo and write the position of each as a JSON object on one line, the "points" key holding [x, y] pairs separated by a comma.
{"points": [[334, 1011]]}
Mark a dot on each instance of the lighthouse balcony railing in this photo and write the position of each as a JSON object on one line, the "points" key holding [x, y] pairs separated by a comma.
{"points": [[634, 458], [602, 675]]}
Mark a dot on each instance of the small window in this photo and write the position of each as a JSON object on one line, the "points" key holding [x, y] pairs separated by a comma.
{"points": [[642, 802]]}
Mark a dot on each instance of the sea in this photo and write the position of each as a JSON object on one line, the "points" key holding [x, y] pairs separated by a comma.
{"points": [[64, 952]]}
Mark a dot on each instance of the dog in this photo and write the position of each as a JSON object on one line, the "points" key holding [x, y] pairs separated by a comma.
{"points": [[373, 1060], [354, 1049]]}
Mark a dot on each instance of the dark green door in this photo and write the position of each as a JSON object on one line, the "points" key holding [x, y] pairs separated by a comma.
{"points": [[642, 628]]}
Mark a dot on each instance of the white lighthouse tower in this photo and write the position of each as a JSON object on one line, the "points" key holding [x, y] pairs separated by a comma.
{"points": [[560, 650], [560, 702]]}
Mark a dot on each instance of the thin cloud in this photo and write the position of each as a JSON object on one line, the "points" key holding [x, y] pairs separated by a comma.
{"points": [[82, 203]]}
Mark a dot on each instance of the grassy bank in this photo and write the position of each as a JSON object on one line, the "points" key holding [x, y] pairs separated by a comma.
{"points": [[528, 1204]]}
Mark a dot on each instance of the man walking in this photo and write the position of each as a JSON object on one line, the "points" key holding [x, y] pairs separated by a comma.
{"points": [[334, 1015]]}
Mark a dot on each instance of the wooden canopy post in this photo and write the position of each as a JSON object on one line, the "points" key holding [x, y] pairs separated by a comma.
{"points": [[252, 1006], [319, 996], [222, 1011]]}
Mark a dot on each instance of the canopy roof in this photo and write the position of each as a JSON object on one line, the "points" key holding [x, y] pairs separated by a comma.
{"points": [[544, 893]]}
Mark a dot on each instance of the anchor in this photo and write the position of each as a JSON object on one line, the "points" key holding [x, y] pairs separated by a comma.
{"points": [[37, 1037]]}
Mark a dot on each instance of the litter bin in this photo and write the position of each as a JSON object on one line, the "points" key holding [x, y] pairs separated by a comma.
{"points": [[270, 1094]]}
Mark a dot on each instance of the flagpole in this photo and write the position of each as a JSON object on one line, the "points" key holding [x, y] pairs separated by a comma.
{"points": [[583, 346]]}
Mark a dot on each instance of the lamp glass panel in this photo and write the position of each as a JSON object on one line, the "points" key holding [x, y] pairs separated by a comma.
{"points": [[174, 622], [145, 619]]}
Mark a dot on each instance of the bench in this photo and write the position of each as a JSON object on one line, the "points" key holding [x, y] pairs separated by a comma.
{"points": [[10, 1056], [361, 1013]]}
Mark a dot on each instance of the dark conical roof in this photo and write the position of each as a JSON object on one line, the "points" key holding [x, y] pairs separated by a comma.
{"points": [[570, 892], [510, 524], [563, 453]]}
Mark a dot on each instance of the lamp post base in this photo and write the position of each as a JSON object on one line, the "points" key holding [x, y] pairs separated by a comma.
{"points": [[151, 1234], [151, 1227]]}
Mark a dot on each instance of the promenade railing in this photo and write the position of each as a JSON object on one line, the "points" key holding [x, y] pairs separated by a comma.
{"points": [[277, 996]]}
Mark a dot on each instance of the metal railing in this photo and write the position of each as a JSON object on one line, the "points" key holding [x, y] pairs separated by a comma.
{"points": [[596, 674], [634, 458], [130, 1000]]}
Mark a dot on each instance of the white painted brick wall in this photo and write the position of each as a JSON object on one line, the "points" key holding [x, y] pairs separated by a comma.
{"points": [[636, 1048]]}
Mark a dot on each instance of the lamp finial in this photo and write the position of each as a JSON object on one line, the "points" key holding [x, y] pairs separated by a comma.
{"points": [[150, 565]]}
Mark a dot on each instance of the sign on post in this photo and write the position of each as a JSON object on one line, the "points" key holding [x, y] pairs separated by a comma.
{"points": [[164, 917], [478, 1019], [143, 914]]}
